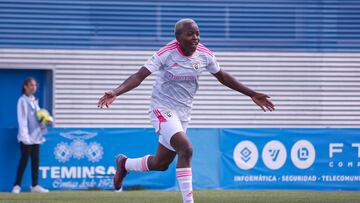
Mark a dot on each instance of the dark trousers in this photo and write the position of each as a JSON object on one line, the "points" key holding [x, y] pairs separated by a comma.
{"points": [[27, 151]]}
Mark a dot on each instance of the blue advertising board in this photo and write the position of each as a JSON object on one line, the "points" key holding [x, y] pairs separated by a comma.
{"points": [[322, 159], [83, 158]]}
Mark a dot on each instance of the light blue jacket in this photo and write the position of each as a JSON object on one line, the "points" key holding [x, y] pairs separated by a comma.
{"points": [[30, 129]]}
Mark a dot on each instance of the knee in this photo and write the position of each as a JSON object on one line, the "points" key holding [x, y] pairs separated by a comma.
{"points": [[186, 153]]}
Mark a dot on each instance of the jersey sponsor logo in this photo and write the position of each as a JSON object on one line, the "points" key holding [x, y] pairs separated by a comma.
{"points": [[180, 77]]}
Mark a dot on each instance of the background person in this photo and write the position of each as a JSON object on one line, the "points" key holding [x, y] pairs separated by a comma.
{"points": [[30, 135]]}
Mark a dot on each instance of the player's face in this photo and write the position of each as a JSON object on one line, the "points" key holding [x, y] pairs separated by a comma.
{"points": [[189, 38], [31, 87]]}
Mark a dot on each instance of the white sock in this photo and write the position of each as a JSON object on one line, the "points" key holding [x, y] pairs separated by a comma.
{"points": [[184, 177], [138, 164]]}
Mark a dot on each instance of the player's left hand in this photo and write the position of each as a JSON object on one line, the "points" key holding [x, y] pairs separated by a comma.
{"points": [[108, 98], [263, 101]]}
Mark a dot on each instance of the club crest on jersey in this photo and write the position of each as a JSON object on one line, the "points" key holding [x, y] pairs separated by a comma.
{"points": [[196, 65]]}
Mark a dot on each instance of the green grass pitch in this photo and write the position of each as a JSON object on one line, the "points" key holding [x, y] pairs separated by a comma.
{"points": [[202, 196]]}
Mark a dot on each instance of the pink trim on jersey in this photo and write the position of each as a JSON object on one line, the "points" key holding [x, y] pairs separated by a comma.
{"points": [[159, 53], [204, 49], [176, 44], [166, 48], [179, 49], [203, 46]]}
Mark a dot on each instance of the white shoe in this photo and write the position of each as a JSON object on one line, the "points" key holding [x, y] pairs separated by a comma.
{"points": [[119, 190], [38, 189], [16, 189]]}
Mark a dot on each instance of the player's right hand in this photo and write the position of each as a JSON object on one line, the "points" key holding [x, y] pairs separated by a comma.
{"points": [[108, 98]]}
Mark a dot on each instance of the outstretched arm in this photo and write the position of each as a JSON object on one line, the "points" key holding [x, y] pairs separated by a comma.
{"points": [[130, 83], [262, 100]]}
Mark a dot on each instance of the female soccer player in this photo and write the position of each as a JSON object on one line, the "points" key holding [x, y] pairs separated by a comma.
{"points": [[30, 136], [179, 65]]}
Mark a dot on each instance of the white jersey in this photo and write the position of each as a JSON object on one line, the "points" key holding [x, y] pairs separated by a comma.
{"points": [[177, 77]]}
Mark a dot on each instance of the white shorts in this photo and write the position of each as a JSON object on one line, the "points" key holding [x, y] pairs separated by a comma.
{"points": [[167, 123]]}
